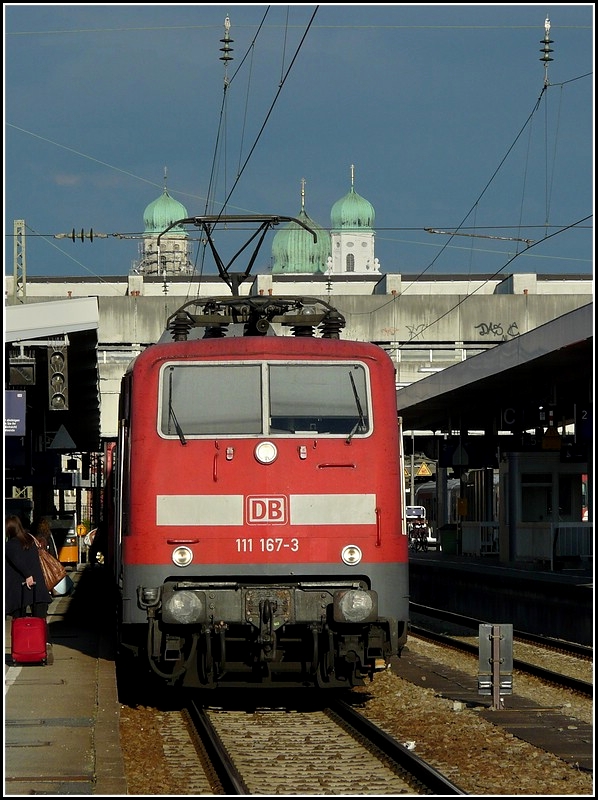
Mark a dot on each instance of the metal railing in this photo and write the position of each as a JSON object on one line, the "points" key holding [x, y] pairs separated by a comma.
{"points": [[553, 540], [479, 538]]}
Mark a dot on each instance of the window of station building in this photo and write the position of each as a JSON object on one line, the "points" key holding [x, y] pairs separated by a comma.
{"points": [[350, 263], [536, 497], [421, 356], [445, 355], [429, 355], [569, 498], [471, 353]]}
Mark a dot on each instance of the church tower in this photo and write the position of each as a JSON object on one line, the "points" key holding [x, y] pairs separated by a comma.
{"points": [[294, 250], [175, 247], [352, 234]]}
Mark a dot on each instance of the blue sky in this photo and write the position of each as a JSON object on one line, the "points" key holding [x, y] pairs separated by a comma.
{"points": [[442, 109]]}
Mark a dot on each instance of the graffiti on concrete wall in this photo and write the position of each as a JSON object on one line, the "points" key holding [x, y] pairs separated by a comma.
{"points": [[497, 329]]}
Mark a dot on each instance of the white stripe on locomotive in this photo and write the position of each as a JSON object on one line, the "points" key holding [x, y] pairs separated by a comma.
{"points": [[305, 509]]}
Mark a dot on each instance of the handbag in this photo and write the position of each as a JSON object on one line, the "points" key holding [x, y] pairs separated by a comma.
{"points": [[63, 587], [53, 570]]}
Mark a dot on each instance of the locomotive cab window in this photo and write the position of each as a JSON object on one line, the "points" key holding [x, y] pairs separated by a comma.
{"points": [[210, 399], [321, 398], [263, 398]]}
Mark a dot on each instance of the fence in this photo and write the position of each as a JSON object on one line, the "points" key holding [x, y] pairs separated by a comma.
{"points": [[479, 538], [551, 541]]}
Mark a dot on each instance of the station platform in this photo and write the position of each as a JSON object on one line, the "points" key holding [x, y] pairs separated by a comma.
{"points": [[61, 721], [582, 573], [554, 603]]}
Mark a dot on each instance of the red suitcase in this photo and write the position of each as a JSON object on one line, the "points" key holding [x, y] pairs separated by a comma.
{"points": [[28, 641]]}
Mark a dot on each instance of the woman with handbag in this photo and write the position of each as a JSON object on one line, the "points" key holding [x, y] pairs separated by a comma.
{"points": [[54, 572], [22, 568]]}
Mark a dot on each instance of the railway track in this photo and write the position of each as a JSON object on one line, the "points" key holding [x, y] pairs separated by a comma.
{"points": [[582, 687], [333, 750], [547, 642], [274, 749]]}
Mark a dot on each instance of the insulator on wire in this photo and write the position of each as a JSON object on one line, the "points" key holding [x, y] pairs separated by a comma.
{"points": [[81, 235], [227, 41], [546, 57], [332, 325], [226, 50], [546, 41]]}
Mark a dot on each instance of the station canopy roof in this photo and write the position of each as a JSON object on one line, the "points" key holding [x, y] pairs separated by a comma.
{"points": [[550, 365]]}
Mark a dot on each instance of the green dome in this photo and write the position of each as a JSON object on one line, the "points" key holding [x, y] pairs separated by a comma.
{"points": [[161, 213], [294, 249], [351, 212]]}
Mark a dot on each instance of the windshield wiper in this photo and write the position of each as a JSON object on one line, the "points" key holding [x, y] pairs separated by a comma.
{"points": [[172, 415], [360, 424]]}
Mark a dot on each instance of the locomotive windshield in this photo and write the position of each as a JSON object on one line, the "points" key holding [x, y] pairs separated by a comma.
{"points": [[263, 398]]}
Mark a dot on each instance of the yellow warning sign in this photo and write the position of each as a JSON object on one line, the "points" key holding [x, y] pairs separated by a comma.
{"points": [[81, 529], [551, 439], [424, 471]]}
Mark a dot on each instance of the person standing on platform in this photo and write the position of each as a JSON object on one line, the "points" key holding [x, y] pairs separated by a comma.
{"points": [[24, 583], [43, 533]]}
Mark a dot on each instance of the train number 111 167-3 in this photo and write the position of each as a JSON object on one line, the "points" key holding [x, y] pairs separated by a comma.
{"points": [[270, 545]]}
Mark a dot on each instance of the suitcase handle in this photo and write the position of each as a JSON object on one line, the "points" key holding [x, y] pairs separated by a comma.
{"points": [[23, 603]]}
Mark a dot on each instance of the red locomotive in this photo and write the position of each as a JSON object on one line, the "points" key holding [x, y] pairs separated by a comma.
{"points": [[260, 537]]}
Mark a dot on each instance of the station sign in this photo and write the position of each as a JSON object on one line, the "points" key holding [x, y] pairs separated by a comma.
{"points": [[15, 407]]}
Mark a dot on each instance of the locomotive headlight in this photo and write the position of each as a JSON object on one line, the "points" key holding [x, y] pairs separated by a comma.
{"points": [[266, 452], [351, 554], [182, 556], [355, 605], [183, 608]]}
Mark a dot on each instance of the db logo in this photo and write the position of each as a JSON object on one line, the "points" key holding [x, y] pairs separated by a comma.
{"points": [[271, 510]]}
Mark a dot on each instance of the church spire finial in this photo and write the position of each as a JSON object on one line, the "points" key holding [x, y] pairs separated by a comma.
{"points": [[352, 176], [302, 194], [165, 178]]}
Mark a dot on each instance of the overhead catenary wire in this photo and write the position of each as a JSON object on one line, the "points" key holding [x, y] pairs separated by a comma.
{"points": [[545, 58], [268, 114], [448, 244], [491, 277], [222, 119]]}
